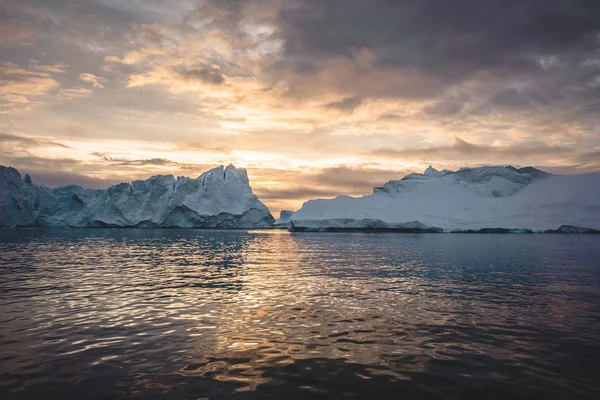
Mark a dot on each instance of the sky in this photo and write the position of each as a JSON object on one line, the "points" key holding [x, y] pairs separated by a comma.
{"points": [[314, 97]]}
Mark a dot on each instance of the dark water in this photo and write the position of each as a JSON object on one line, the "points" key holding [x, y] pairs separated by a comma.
{"points": [[184, 314]]}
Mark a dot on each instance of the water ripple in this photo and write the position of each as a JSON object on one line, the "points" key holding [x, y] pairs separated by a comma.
{"points": [[269, 314]]}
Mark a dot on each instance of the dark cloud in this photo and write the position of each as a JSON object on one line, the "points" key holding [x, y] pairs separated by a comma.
{"points": [[523, 100], [30, 142], [348, 104], [389, 116], [149, 161], [453, 39], [509, 98], [120, 164], [445, 108], [431, 43], [207, 73], [33, 162], [421, 49]]}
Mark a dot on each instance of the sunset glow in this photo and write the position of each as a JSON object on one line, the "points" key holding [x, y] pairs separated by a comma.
{"points": [[314, 98]]}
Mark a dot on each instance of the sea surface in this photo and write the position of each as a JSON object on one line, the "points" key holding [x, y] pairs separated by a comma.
{"points": [[191, 314]]}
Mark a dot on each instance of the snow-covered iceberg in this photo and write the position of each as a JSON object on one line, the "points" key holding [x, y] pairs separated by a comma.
{"points": [[485, 199], [219, 198], [284, 220]]}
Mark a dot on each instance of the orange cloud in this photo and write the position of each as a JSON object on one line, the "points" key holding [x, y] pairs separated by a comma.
{"points": [[93, 79], [20, 86]]}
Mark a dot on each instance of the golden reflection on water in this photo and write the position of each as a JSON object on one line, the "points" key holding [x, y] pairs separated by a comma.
{"points": [[233, 307]]}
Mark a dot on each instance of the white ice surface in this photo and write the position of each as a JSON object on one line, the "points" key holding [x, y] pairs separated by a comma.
{"points": [[219, 198], [284, 219], [468, 199]]}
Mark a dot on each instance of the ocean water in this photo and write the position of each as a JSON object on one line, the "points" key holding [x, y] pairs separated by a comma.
{"points": [[189, 314]]}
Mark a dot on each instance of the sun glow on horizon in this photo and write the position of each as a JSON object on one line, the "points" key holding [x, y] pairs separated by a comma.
{"points": [[311, 105]]}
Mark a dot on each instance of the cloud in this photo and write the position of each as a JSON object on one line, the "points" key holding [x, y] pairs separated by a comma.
{"points": [[297, 186], [180, 77], [301, 192], [355, 179], [193, 146], [541, 53], [33, 162], [16, 33], [445, 108], [19, 86], [149, 161], [101, 172], [74, 93], [56, 178], [29, 141], [436, 37], [204, 72], [348, 104], [389, 116], [132, 57], [463, 150], [157, 162], [94, 80], [326, 94]]}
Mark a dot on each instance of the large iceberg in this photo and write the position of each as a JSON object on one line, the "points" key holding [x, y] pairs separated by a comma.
{"points": [[485, 199], [219, 198]]}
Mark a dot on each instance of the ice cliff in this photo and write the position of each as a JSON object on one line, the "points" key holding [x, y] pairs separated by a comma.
{"points": [[219, 198], [284, 219], [485, 199]]}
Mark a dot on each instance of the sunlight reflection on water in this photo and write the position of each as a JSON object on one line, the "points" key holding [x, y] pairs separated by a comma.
{"points": [[194, 314]]}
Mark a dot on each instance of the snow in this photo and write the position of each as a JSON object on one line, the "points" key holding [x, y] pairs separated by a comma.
{"points": [[469, 199], [430, 171], [284, 219], [219, 198]]}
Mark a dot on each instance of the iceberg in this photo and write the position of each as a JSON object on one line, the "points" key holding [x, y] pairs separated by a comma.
{"points": [[430, 171], [220, 198], [488, 199], [284, 219]]}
